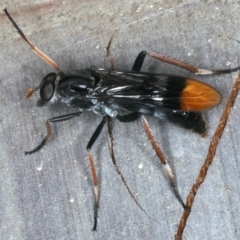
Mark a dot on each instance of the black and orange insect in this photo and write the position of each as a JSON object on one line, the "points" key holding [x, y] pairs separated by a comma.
{"points": [[127, 95]]}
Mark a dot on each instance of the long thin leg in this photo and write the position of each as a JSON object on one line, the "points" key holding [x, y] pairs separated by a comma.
{"points": [[163, 160], [137, 67], [114, 161], [126, 118], [49, 130], [180, 64], [139, 61], [93, 169]]}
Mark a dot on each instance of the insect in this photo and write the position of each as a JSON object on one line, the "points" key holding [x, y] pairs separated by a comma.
{"points": [[127, 96]]}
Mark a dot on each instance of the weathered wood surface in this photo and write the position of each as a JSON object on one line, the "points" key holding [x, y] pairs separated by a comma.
{"points": [[49, 195]]}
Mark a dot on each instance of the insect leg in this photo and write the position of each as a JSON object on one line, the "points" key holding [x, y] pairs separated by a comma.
{"points": [[139, 61], [93, 169], [49, 130], [162, 159], [188, 67], [137, 67]]}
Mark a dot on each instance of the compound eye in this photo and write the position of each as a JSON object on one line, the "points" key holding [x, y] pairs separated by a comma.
{"points": [[47, 87]]}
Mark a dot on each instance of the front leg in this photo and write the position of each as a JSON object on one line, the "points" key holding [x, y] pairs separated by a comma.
{"points": [[49, 130]]}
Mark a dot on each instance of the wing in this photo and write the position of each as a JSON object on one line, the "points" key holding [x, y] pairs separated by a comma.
{"points": [[141, 89]]}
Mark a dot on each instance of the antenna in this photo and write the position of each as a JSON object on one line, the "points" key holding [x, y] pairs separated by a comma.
{"points": [[33, 48]]}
